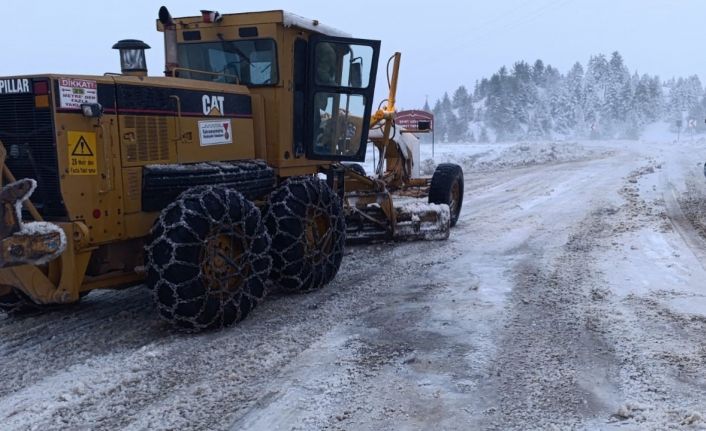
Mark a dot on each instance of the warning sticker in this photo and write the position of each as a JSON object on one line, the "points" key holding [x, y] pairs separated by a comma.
{"points": [[82, 153], [215, 132], [74, 92]]}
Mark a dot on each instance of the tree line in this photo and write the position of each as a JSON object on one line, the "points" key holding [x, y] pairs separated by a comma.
{"points": [[602, 100]]}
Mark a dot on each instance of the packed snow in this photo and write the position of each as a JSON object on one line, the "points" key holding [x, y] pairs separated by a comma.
{"points": [[568, 296]]}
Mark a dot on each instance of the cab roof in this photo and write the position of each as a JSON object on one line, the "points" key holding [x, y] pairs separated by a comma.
{"points": [[287, 19]]}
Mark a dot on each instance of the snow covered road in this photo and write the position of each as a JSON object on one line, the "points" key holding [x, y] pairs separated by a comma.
{"points": [[571, 295]]}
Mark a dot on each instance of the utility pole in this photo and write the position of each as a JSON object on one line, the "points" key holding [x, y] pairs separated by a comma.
{"points": [[678, 129]]}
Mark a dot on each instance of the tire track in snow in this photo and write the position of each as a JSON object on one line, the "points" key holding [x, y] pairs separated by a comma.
{"points": [[690, 236]]}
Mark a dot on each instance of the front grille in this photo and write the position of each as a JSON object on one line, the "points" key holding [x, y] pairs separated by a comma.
{"points": [[151, 141], [28, 135]]}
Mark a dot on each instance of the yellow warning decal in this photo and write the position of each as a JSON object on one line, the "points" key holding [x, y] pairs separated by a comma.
{"points": [[82, 153]]}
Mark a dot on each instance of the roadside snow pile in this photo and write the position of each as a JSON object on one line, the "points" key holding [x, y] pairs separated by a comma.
{"points": [[519, 155]]}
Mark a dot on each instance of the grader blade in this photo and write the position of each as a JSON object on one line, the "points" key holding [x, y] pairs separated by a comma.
{"points": [[369, 217], [420, 221], [379, 220], [25, 243]]}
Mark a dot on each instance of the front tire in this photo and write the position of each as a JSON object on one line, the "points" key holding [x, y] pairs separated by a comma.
{"points": [[208, 259], [306, 222], [447, 188]]}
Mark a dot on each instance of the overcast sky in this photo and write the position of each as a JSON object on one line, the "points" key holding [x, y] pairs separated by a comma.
{"points": [[444, 43]]}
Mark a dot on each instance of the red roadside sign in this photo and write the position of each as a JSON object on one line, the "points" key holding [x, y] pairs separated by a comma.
{"points": [[415, 120]]}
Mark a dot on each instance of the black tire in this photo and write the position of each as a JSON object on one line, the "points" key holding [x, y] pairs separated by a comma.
{"points": [[308, 229], [162, 184], [447, 188], [208, 259], [357, 168]]}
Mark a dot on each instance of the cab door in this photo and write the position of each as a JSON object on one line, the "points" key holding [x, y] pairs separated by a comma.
{"points": [[341, 85]]}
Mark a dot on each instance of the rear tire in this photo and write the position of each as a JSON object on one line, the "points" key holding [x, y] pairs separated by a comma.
{"points": [[208, 259], [306, 222], [447, 188]]}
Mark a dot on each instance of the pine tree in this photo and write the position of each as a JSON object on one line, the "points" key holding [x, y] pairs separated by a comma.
{"points": [[483, 138], [698, 114], [463, 103], [538, 71], [574, 109], [684, 97], [595, 86], [456, 129], [601, 100], [481, 90], [618, 90], [440, 124]]}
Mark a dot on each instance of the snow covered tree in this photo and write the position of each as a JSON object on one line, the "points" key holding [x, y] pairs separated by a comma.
{"points": [[536, 101], [538, 71], [440, 125], [483, 138], [463, 103], [595, 85]]}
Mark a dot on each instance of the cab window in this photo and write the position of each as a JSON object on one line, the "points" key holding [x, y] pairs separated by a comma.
{"points": [[342, 73], [250, 62], [339, 122], [342, 64]]}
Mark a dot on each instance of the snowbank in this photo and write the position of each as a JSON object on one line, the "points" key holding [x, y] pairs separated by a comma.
{"points": [[517, 155]]}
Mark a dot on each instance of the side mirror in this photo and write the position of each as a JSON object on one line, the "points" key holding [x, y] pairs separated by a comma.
{"points": [[356, 75]]}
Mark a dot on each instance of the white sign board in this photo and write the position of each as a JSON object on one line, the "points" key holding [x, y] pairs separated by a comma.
{"points": [[215, 132], [75, 92]]}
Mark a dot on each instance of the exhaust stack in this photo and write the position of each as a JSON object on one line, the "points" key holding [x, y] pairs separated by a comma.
{"points": [[132, 57], [171, 59]]}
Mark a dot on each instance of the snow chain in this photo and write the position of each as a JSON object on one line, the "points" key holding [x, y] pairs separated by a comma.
{"points": [[197, 283]]}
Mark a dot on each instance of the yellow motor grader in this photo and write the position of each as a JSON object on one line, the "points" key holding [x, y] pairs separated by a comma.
{"points": [[209, 183]]}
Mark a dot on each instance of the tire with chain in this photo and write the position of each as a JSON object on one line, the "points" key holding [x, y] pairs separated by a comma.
{"points": [[447, 188], [208, 259], [306, 222]]}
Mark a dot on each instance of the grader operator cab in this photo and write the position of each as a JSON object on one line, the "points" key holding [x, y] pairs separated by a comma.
{"points": [[207, 184]]}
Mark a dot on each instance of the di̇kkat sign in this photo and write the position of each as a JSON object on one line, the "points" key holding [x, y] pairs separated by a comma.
{"points": [[215, 132], [75, 92]]}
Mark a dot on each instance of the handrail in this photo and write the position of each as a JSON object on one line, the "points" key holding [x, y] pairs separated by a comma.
{"points": [[107, 170], [178, 122], [205, 72], [387, 113]]}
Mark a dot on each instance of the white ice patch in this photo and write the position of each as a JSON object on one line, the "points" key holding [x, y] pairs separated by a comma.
{"points": [[294, 20]]}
